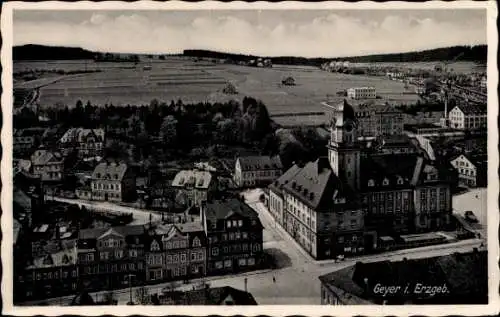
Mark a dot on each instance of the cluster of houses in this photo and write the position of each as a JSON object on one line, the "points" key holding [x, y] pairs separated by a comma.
{"points": [[228, 239]]}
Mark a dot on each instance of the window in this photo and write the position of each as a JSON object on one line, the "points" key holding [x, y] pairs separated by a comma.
{"points": [[132, 253], [231, 236], [200, 255], [215, 251], [251, 261], [385, 182], [227, 263], [256, 247], [237, 235], [193, 256], [244, 246], [169, 258], [183, 257], [242, 262], [218, 265], [155, 246], [371, 183], [229, 223], [240, 223], [73, 273], [196, 242], [118, 254], [176, 258], [235, 223], [244, 235], [104, 255], [226, 249]]}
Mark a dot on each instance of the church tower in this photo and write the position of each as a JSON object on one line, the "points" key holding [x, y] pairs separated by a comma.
{"points": [[344, 151]]}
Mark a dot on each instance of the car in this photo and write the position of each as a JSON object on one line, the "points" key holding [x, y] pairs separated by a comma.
{"points": [[469, 216]]}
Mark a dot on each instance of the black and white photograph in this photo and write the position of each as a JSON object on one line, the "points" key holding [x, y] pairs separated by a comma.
{"points": [[249, 155]]}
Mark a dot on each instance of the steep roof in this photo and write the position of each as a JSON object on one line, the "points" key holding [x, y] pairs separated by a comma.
{"points": [[62, 257], [80, 134], [278, 184], [392, 167], [46, 157], [251, 163], [316, 185], [111, 171], [95, 233], [221, 209], [469, 109], [194, 178]]}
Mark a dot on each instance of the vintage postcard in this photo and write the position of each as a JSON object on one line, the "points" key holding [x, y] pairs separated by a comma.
{"points": [[276, 159]]}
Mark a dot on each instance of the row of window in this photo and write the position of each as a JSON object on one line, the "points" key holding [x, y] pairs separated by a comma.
{"points": [[229, 263], [112, 268], [52, 275], [100, 186], [237, 248], [177, 244], [234, 223], [229, 236]]}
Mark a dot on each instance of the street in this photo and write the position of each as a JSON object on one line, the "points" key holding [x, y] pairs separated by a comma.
{"points": [[140, 216]]}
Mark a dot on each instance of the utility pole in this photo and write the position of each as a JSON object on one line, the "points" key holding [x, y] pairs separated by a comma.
{"points": [[246, 284]]}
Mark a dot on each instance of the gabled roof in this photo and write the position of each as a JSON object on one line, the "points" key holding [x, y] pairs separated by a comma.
{"points": [[64, 257], [80, 134], [278, 184], [393, 167], [220, 209], [46, 157], [469, 109], [316, 185], [111, 171], [252, 163], [194, 178], [94, 233]]}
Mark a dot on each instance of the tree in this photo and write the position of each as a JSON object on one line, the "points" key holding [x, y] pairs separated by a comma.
{"points": [[142, 296], [168, 131]]}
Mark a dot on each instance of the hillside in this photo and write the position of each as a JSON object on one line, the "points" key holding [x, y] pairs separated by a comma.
{"points": [[461, 53], [42, 52]]}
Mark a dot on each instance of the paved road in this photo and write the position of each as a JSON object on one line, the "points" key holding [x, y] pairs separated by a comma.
{"points": [[296, 283]]}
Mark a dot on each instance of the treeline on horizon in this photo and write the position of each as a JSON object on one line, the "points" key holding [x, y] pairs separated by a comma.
{"points": [[476, 53]]}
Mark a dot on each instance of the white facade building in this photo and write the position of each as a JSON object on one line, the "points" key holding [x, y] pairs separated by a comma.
{"points": [[361, 93]]}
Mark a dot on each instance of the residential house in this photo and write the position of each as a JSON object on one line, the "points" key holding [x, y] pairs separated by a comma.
{"points": [[88, 142], [26, 140], [175, 252], [48, 165], [472, 169], [256, 170], [219, 296], [468, 117], [362, 283], [234, 234], [361, 93], [113, 181], [109, 257], [276, 195], [194, 187], [49, 275]]}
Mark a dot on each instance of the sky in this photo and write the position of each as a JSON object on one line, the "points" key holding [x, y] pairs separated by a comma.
{"points": [[307, 33]]}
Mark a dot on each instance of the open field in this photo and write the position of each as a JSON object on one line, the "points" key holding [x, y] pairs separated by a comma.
{"points": [[182, 78]]}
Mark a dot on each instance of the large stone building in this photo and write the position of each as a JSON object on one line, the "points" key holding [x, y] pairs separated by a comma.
{"points": [[361, 93], [344, 204], [194, 187], [175, 252], [113, 181], [234, 234], [468, 117], [252, 171], [375, 118]]}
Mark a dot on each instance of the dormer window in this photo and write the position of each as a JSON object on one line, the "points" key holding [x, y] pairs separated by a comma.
{"points": [[385, 182], [400, 181], [155, 246], [371, 183]]}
